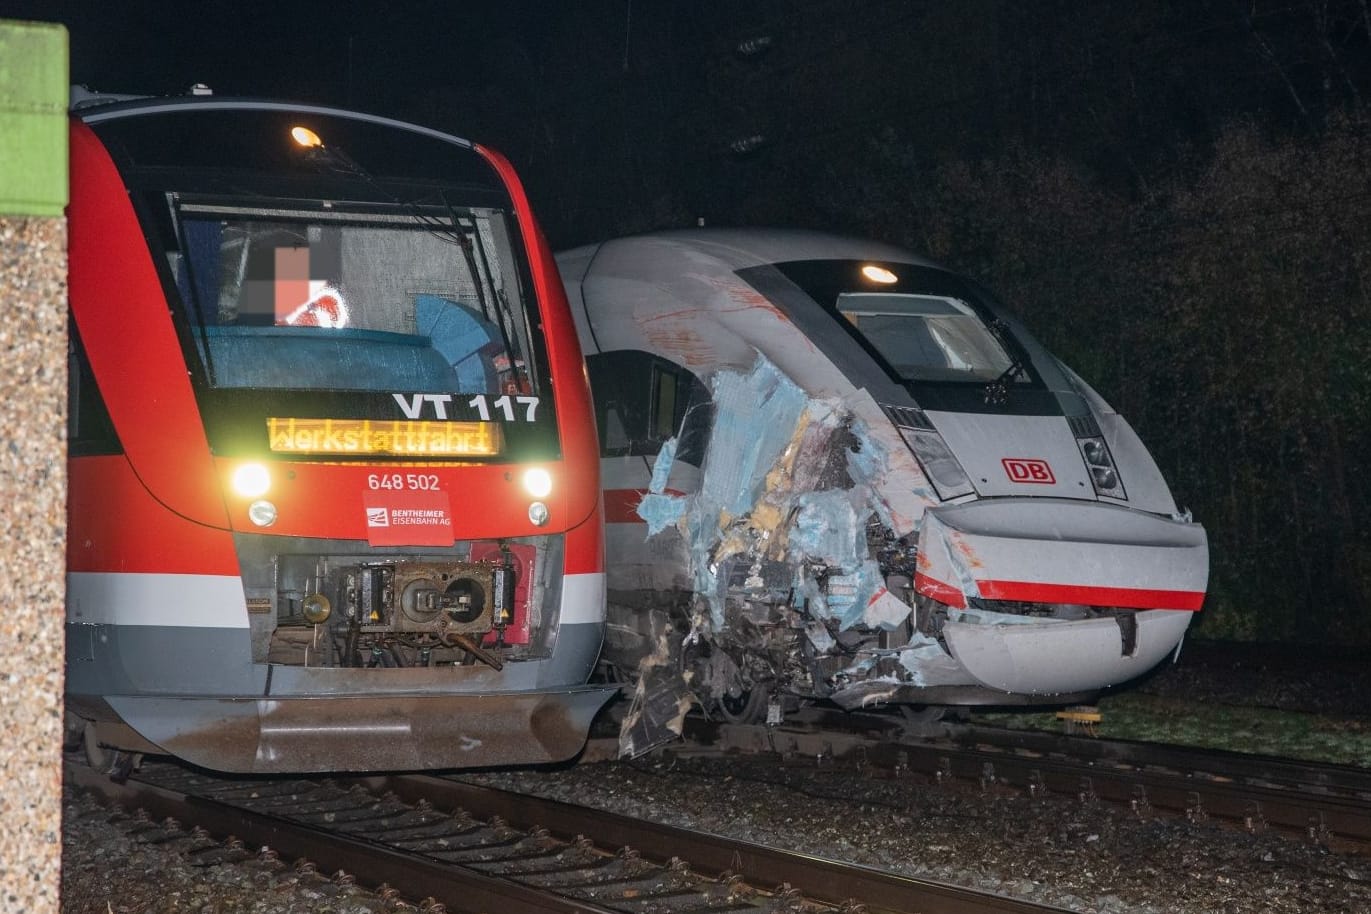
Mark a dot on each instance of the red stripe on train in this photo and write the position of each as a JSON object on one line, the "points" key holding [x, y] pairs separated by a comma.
{"points": [[621, 505], [1036, 592], [943, 593]]}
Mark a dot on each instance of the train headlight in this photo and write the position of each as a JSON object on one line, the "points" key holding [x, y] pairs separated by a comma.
{"points": [[946, 474], [1104, 476], [538, 513], [538, 482], [262, 513], [251, 480]]}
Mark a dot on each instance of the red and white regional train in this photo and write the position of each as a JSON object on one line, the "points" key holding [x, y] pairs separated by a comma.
{"points": [[835, 470], [333, 472]]}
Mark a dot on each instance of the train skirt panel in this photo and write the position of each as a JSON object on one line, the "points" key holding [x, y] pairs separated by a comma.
{"points": [[1026, 657]]}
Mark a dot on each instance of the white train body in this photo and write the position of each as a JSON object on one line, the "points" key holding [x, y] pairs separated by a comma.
{"points": [[834, 469]]}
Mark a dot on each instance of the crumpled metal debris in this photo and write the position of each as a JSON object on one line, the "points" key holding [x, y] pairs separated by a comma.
{"points": [[791, 486], [656, 715], [789, 479]]}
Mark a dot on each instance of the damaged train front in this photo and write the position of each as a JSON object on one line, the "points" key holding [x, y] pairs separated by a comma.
{"points": [[899, 497]]}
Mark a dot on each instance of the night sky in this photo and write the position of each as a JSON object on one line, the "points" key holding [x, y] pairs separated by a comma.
{"points": [[311, 51], [631, 114], [475, 70]]}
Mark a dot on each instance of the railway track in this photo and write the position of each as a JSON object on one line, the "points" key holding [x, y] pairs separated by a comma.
{"points": [[1327, 804], [471, 848]]}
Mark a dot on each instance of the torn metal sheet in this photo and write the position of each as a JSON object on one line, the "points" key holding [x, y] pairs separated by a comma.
{"points": [[900, 492], [828, 527], [662, 697], [770, 449], [661, 467], [755, 418], [660, 511], [884, 610], [927, 664]]}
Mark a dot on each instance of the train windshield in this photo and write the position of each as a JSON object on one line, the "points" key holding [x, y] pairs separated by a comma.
{"points": [[363, 300], [926, 337]]}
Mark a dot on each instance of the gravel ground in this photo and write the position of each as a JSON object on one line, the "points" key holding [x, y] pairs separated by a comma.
{"points": [[111, 865], [1084, 857]]}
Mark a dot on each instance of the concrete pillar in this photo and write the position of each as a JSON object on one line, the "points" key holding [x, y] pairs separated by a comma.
{"points": [[33, 469]]}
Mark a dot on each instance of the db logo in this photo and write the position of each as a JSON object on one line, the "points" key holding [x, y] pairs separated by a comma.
{"points": [[1023, 469]]}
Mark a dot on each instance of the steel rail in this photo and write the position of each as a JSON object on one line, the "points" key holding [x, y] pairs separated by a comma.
{"points": [[286, 810], [1222, 763], [458, 888], [1319, 800], [825, 880]]}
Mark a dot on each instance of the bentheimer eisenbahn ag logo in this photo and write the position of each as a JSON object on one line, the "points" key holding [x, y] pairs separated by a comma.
{"points": [[378, 517]]}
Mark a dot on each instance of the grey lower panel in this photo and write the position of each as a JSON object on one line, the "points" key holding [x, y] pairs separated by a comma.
{"points": [[167, 660], [367, 733], [124, 659], [195, 693]]}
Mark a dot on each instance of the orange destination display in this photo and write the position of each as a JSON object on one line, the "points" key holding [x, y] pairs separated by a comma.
{"points": [[398, 437]]}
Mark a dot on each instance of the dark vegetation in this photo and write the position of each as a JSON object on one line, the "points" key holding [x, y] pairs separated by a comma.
{"points": [[1175, 195]]}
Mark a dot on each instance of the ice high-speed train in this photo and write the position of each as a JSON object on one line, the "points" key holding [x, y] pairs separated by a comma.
{"points": [[334, 497], [835, 470]]}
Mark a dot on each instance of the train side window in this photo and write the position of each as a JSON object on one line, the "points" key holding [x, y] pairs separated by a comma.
{"points": [[620, 399], [90, 430], [613, 436], [664, 418], [642, 400]]}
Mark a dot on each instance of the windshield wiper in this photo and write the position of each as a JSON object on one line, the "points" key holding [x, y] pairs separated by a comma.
{"points": [[997, 391]]}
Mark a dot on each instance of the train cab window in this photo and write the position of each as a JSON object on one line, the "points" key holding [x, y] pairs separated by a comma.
{"points": [[642, 400], [344, 302], [927, 337], [89, 429], [941, 337]]}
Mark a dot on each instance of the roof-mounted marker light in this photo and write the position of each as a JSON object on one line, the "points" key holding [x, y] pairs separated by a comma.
{"points": [[879, 274], [306, 137]]}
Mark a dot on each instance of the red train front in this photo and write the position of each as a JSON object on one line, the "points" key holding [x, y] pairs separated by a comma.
{"points": [[334, 494]]}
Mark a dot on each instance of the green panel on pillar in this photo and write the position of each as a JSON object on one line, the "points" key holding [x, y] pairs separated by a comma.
{"points": [[33, 118]]}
